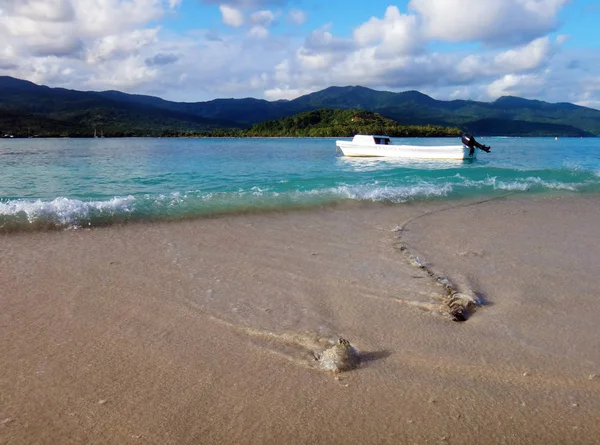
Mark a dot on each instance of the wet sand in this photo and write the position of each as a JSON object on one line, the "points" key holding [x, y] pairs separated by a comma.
{"points": [[206, 331]]}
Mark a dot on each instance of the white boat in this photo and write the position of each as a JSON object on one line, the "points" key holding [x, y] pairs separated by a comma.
{"points": [[381, 146]]}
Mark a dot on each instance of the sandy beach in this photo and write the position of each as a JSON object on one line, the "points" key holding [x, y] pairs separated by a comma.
{"points": [[206, 331]]}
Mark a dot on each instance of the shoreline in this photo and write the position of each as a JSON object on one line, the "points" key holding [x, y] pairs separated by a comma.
{"points": [[204, 330], [76, 221]]}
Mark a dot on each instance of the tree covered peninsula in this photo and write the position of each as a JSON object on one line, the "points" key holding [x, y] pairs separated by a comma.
{"points": [[334, 123]]}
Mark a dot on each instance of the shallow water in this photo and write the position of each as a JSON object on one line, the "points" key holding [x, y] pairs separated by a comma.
{"points": [[48, 183]]}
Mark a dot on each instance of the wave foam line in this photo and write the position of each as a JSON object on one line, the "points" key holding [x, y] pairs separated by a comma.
{"points": [[63, 212]]}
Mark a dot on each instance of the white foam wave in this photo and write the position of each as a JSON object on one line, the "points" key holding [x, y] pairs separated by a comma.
{"points": [[376, 192], [522, 184], [528, 183], [390, 193], [65, 211]]}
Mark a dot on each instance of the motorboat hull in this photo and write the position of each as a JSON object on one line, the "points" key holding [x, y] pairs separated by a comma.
{"points": [[454, 152]]}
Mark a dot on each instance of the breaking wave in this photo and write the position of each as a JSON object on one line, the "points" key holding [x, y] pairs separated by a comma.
{"points": [[69, 213]]}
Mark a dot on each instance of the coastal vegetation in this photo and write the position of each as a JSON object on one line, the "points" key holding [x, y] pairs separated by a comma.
{"points": [[328, 122]]}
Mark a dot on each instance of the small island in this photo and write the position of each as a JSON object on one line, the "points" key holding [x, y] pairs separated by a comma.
{"points": [[328, 122]]}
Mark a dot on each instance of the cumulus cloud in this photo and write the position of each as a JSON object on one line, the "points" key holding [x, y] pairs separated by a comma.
{"points": [[248, 4], [262, 18], [45, 10], [492, 21], [395, 34], [75, 42], [285, 93], [579, 84], [516, 60], [259, 32], [102, 17], [103, 44], [591, 97], [526, 57], [61, 27], [115, 44], [321, 50], [24, 34], [516, 84], [322, 40], [125, 74], [232, 16], [121, 46], [393, 51], [555, 81], [235, 57], [390, 51]]}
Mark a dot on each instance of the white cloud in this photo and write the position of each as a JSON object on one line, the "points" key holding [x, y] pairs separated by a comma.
{"points": [[232, 70], [285, 93], [321, 50], [492, 21], [516, 60], [64, 41], [44, 10], [589, 99], [61, 27], [391, 52], [45, 38], [232, 16], [102, 44], [248, 4], [570, 76], [516, 84], [102, 17], [262, 18], [123, 74], [393, 35], [122, 46], [258, 32], [527, 57]]}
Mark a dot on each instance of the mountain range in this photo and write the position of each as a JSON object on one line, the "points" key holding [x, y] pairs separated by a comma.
{"points": [[27, 109]]}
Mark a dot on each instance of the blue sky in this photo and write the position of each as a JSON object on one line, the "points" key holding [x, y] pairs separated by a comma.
{"points": [[196, 50]]}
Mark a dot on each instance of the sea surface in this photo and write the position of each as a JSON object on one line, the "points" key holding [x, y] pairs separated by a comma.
{"points": [[74, 183]]}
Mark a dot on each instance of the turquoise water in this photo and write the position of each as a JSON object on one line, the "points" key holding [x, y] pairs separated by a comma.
{"points": [[48, 183]]}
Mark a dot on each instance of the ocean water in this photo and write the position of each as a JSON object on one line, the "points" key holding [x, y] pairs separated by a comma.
{"points": [[73, 183]]}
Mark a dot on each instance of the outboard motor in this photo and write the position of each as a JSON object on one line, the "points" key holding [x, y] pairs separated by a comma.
{"points": [[470, 142]]}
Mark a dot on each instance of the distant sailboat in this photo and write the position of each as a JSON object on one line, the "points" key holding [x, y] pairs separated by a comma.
{"points": [[95, 134]]}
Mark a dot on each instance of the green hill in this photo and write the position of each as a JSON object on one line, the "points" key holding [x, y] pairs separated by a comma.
{"points": [[414, 108], [27, 108], [327, 122]]}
